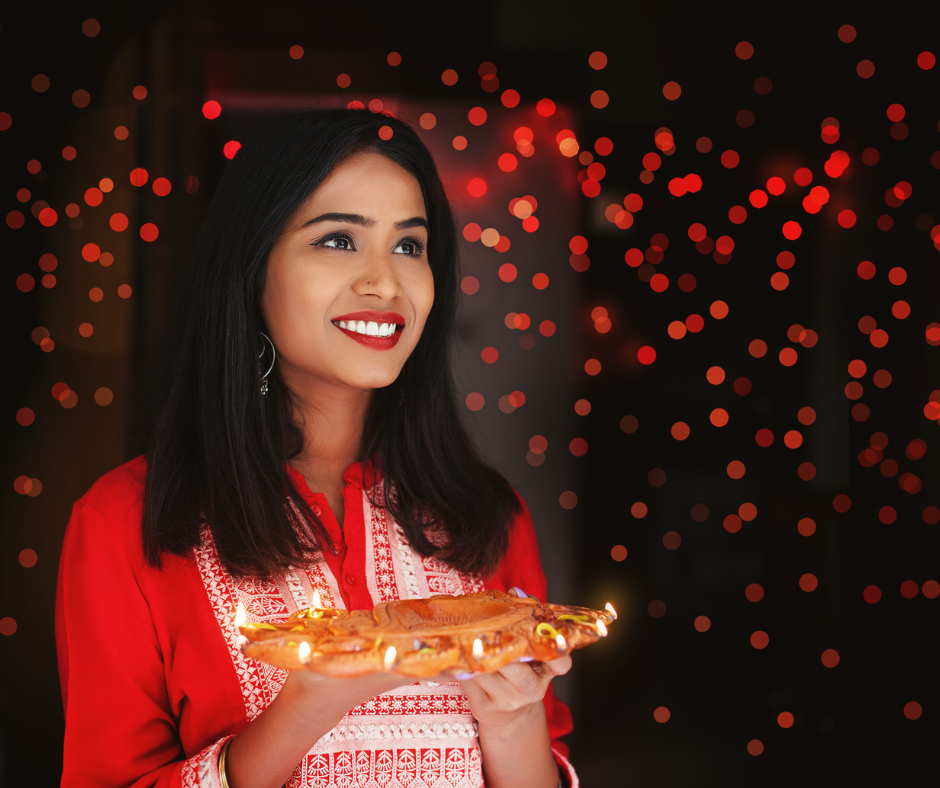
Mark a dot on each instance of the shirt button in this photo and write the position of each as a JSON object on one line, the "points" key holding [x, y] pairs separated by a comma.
{"points": [[317, 510], [349, 578]]}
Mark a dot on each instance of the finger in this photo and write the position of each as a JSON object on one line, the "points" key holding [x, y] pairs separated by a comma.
{"points": [[556, 667], [526, 677]]}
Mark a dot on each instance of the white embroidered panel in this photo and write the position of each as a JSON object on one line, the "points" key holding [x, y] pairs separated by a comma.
{"points": [[417, 736], [395, 571]]}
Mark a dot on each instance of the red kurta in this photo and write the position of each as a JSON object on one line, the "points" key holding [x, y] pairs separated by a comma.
{"points": [[153, 683]]}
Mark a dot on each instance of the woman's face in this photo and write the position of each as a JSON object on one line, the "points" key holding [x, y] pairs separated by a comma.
{"points": [[355, 251]]}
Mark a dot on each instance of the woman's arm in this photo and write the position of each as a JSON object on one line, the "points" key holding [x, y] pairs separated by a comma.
{"points": [[513, 728], [308, 706], [122, 728], [521, 567]]}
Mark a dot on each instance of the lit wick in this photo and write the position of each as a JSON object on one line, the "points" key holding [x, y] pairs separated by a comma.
{"points": [[610, 609], [601, 627], [304, 652], [478, 649], [390, 655], [562, 643], [240, 616]]}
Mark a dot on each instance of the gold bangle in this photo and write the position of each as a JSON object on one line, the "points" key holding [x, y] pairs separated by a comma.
{"points": [[222, 776]]}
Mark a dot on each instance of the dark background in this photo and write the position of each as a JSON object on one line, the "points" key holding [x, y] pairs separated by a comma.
{"points": [[849, 721]]}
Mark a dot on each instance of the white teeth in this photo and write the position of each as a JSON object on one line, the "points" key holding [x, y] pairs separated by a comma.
{"points": [[372, 328]]}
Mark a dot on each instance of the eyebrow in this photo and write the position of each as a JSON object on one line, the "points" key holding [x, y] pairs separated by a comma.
{"points": [[362, 221]]}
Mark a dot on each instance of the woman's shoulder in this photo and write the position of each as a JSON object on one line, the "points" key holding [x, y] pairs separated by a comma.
{"points": [[119, 492]]}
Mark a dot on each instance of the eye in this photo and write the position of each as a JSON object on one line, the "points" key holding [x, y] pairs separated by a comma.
{"points": [[339, 241], [411, 247]]}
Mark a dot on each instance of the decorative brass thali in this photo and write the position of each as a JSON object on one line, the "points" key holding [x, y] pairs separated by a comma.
{"points": [[441, 636]]}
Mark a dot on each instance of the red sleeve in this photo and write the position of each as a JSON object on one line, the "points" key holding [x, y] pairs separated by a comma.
{"points": [[119, 729], [522, 568]]}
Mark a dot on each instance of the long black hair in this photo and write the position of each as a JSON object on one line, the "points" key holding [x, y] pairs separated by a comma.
{"points": [[219, 449]]}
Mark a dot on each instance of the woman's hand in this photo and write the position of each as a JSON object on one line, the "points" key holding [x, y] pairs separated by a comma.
{"points": [[513, 693], [307, 684]]}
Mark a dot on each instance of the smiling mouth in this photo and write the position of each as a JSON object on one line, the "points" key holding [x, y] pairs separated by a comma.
{"points": [[369, 328]]}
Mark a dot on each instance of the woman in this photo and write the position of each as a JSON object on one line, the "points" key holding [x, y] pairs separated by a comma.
{"points": [[313, 357]]}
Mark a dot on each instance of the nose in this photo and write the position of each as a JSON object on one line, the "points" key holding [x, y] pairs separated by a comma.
{"points": [[379, 277]]}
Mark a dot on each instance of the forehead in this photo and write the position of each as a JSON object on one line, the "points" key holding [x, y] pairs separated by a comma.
{"points": [[369, 181]]}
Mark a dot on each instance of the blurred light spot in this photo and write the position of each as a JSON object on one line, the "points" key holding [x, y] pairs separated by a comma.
{"points": [[474, 401], [759, 639], [25, 417], [578, 447], [231, 148], [469, 285], [785, 719], [672, 540], [7, 626], [656, 608], [744, 50], [808, 582], [680, 431], [629, 424], [568, 500], [28, 558], [912, 709], [81, 98], [735, 469], [139, 92], [639, 510], [618, 553], [477, 116], [702, 623]]}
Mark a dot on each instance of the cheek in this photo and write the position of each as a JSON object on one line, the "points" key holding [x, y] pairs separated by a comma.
{"points": [[423, 289], [291, 304]]}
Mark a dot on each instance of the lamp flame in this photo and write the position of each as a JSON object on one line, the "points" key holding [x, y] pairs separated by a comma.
{"points": [[562, 643], [304, 652], [610, 609], [316, 599], [477, 649], [240, 616], [390, 654], [241, 641], [601, 627]]}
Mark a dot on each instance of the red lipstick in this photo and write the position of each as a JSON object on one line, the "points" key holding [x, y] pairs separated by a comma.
{"points": [[373, 342]]}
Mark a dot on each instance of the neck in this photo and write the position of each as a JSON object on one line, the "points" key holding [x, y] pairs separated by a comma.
{"points": [[332, 421]]}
